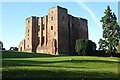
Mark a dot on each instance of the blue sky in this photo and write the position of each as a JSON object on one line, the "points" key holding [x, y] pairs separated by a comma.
{"points": [[15, 13]]}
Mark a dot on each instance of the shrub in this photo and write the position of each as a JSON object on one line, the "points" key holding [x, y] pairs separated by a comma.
{"points": [[85, 47]]}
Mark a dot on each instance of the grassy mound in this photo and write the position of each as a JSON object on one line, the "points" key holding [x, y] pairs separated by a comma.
{"points": [[34, 65]]}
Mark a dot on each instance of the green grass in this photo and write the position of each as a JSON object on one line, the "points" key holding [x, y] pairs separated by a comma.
{"points": [[34, 65]]}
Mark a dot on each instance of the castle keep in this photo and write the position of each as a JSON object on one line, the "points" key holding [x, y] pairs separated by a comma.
{"points": [[54, 33]]}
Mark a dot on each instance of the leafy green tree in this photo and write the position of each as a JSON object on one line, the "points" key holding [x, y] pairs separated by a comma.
{"points": [[91, 47], [85, 47], [81, 47], [111, 32], [118, 48]]}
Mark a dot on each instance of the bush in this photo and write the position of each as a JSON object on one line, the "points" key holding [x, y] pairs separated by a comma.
{"points": [[85, 47], [116, 54], [103, 54]]}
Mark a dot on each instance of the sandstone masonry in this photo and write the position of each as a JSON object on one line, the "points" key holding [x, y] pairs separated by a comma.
{"points": [[55, 33]]}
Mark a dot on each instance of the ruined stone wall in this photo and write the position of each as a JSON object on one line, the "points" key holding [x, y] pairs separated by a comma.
{"points": [[71, 34], [48, 33], [84, 28], [54, 33], [63, 31], [21, 46], [77, 30], [52, 30], [31, 35], [42, 35], [45, 22], [34, 33], [40, 31]]}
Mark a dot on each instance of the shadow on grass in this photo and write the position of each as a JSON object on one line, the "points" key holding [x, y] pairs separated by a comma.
{"points": [[38, 74], [11, 54], [38, 63], [13, 63], [41, 74]]}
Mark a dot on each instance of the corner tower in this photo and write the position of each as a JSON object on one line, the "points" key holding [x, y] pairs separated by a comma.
{"points": [[58, 30], [31, 34], [63, 31]]}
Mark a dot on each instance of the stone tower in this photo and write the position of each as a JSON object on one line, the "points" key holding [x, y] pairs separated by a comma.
{"points": [[63, 30], [55, 33], [31, 34]]}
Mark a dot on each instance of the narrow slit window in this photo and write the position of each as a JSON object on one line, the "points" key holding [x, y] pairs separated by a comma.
{"points": [[51, 27], [28, 30], [51, 18]]}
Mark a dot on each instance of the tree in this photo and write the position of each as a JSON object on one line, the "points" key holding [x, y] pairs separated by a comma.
{"points": [[81, 47], [111, 32], [118, 48], [85, 47], [91, 48]]}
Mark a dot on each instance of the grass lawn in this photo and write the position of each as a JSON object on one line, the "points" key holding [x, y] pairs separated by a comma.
{"points": [[34, 65]]}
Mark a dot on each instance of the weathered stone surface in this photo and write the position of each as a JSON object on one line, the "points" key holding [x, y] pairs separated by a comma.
{"points": [[54, 33]]}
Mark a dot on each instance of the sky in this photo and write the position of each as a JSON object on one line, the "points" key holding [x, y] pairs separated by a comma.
{"points": [[13, 14]]}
